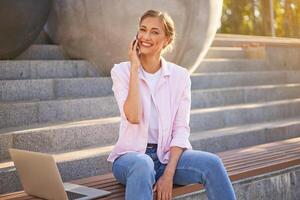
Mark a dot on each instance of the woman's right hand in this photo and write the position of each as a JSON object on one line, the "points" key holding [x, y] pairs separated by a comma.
{"points": [[133, 55]]}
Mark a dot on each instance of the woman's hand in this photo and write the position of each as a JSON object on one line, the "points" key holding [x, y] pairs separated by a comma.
{"points": [[133, 55], [164, 187]]}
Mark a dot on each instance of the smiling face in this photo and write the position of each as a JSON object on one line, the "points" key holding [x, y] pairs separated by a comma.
{"points": [[152, 36]]}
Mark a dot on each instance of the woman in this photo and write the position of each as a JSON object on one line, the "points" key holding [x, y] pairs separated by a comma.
{"points": [[154, 97]]}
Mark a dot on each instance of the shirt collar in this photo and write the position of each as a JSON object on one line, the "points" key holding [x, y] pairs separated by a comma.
{"points": [[165, 69]]}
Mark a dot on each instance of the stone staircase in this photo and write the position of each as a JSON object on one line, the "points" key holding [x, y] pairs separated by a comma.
{"points": [[51, 104]]}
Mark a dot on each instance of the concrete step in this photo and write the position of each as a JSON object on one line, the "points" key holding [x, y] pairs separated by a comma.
{"points": [[255, 37], [234, 137], [231, 65], [92, 161], [26, 113], [239, 95], [226, 52], [69, 136], [65, 109], [43, 52], [49, 89], [37, 69], [234, 79], [233, 40], [62, 136], [233, 115]]}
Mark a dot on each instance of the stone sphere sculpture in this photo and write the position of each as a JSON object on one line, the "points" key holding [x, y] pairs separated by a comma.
{"points": [[21, 21], [101, 30]]}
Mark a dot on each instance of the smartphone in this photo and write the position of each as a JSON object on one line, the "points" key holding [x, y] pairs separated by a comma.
{"points": [[137, 47]]}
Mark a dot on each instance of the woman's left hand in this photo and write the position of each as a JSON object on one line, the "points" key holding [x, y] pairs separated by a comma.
{"points": [[164, 187]]}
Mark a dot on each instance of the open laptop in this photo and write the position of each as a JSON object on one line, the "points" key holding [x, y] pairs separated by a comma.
{"points": [[40, 177]]}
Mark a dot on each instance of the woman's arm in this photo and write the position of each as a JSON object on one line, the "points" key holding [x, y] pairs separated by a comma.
{"points": [[126, 91], [132, 105], [175, 153]]}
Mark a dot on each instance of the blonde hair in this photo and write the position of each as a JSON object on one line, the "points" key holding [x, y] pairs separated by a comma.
{"points": [[168, 24]]}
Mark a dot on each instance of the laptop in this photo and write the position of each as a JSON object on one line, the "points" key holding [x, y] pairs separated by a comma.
{"points": [[40, 177]]}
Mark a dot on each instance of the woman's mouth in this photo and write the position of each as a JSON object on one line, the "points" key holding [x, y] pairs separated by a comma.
{"points": [[146, 44]]}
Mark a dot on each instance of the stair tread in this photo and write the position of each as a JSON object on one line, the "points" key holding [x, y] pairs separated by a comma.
{"points": [[227, 48], [59, 99], [58, 125], [248, 87], [243, 72], [224, 36], [51, 79], [194, 111], [66, 98], [105, 150], [231, 60], [243, 105], [39, 61], [244, 128]]}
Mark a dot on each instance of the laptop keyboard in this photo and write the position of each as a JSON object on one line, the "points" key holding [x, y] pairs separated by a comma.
{"points": [[73, 195]]}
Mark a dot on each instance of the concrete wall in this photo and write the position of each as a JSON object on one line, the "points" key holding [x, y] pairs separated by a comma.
{"points": [[280, 185]]}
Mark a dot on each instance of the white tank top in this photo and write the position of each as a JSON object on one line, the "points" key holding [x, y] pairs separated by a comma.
{"points": [[152, 80]]}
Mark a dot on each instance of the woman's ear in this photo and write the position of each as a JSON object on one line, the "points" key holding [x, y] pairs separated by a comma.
{"points": [[167, 42]]}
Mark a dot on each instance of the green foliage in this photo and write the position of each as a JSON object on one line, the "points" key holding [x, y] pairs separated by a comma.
{"points": [[252, 17]]}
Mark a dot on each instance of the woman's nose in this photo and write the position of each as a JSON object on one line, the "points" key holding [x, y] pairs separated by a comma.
{"points": [[146, 36]]}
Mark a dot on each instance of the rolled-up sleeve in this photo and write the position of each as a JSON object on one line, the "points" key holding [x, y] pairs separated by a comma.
{"points": [[120, 89], [181, 128]]}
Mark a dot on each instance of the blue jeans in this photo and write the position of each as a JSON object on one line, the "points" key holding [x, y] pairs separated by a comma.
{"points": [[139, 172]]}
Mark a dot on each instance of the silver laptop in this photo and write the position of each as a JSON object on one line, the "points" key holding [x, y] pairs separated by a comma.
{"points": [[40, 177]]}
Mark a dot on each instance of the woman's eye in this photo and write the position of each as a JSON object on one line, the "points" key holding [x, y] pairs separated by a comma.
{"points": [[156, 33], [142, 30]]}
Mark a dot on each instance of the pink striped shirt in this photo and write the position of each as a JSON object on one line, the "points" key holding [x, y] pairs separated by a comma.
{"points": [[173, 101]]}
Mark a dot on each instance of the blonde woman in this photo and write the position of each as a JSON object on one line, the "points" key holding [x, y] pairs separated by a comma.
{"points": [[153, 151]]}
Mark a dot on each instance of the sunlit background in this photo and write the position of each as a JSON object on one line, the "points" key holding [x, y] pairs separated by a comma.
{"points": [[280, 18]]}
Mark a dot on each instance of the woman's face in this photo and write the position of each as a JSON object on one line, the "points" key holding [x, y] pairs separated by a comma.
{"points": [[152, 37]]}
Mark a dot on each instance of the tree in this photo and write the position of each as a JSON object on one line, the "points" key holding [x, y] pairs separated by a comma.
{"points": [[252, 17]]}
